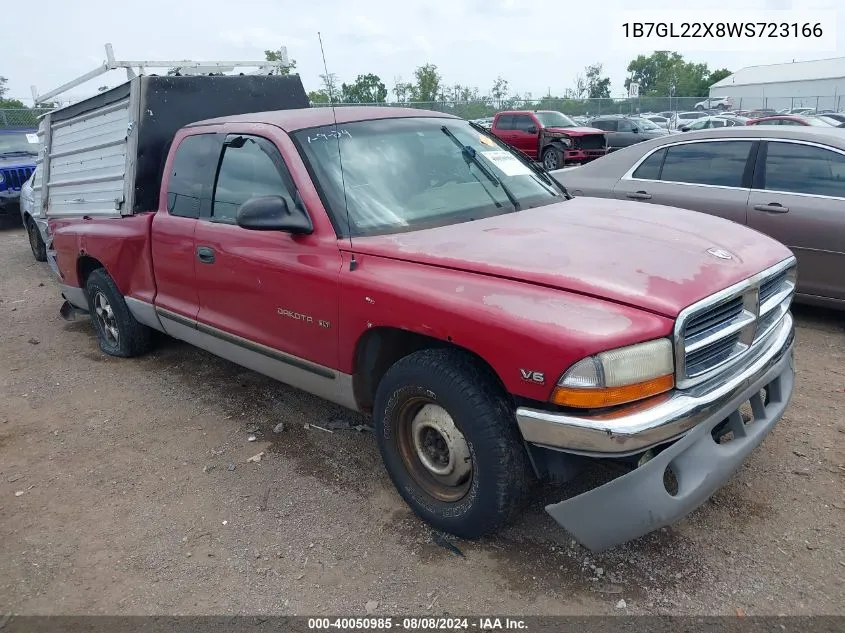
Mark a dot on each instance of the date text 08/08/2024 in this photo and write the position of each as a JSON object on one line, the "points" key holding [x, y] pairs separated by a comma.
{"points": [[484, 623]]}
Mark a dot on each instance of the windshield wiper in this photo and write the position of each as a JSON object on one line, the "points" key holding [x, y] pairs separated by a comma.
{"points": [[471, 156], [532, 166]]}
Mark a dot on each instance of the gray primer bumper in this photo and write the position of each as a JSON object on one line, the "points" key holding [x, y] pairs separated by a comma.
{"points": [[638, 503]]}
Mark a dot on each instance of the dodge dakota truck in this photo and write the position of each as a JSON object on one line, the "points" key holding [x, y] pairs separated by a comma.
{"points": [[408, 265]]}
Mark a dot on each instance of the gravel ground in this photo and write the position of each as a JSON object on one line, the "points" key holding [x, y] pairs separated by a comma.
{"points": [[125, 488]]}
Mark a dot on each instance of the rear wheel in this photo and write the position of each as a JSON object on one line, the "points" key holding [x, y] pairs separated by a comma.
{"points": [[36, 243], [552, 159], [449, 442], [118, 332]]}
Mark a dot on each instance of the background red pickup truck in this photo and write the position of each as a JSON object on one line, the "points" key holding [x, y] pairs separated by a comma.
{"points": [[549, 137], [407, 265]]}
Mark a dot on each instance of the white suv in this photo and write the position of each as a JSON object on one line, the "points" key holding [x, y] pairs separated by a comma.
{"points": [[718, 103]]}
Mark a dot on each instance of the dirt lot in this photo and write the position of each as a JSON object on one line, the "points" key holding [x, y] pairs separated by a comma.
{"points": [[137, 497]]}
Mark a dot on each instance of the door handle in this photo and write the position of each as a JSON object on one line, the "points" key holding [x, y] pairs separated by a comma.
{"points": [[772, 207], [639, 195], [205, 254]]}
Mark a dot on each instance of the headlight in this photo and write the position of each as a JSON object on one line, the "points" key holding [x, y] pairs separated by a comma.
{"points": [[618, 376], [2, 178]]}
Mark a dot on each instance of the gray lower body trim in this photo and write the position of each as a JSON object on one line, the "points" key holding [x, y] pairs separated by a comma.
{"points": [[300, 373], [75, 296], [638, 503], [144, 313]]}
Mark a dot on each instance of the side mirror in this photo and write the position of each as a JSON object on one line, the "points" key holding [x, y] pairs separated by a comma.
{"points": [[532, 130], [635, 130], [271, 213], [684, 128]]}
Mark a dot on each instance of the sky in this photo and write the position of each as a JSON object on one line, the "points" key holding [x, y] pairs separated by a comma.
{"points": [[538, 46]]}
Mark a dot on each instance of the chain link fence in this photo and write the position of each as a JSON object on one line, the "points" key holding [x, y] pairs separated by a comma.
{"points": [[481, 108], [21, 117]]}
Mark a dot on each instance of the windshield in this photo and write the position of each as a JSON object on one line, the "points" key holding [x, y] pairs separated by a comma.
{"points": [[826, 120], [19, 143], [413, 173], [820, 121], [554, 119], [692, 115]]}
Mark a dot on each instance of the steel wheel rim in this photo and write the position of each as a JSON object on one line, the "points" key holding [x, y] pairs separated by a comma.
{"points": [[434, 451], [105, 316]]}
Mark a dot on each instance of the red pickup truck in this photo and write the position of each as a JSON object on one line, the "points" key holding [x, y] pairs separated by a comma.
{"points": [[406, 264], [549, 137]]}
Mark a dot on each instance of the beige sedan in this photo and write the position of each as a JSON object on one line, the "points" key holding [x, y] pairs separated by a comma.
{"points": [[788, 183]]}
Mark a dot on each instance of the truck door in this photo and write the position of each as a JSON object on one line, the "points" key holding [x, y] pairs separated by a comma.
{"points": [[526, 134], [503, 128], [189, 182], [265, 291]]}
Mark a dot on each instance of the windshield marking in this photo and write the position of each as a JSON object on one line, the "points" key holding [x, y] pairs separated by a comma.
{"points": [[325, 137]]}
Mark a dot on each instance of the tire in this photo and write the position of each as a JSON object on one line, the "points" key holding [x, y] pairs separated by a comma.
{"points": [[552, 159], [36, 243], [118, 333], [722, 107], [420, 389], [699, 107]]}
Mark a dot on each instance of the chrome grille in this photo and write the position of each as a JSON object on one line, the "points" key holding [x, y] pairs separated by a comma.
{"points": [[713, 334]]}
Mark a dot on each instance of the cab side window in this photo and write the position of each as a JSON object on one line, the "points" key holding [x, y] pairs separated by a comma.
{"points": [[251, 167], [191, 170], [523, 123]]}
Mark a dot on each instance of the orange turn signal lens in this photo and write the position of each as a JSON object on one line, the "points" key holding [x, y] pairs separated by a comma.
{"points": [[596, 398]]}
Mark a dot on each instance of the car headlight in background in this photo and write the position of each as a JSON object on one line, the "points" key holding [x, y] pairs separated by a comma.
{"points": [[618, 376], [2, 178]]}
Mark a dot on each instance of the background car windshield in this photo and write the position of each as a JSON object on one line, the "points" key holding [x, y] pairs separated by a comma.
{"points": [[818, 121], [554, 119], [403, 174], [18, 142]]}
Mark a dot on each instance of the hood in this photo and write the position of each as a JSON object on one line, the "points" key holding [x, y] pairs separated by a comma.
{"points": [[17, 161], [643, 255], [575, 131]]}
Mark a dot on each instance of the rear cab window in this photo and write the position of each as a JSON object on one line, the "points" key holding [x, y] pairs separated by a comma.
{"points": [[505, 122]]}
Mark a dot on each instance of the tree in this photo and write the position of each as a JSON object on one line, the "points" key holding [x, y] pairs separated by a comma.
{"points": [[401, 89], [718, 75], [598, 87], [318, 96], [655, 73], [3, 88], [427, 84], [330, 86], [367, 88], [500, 89], [277, 56]]}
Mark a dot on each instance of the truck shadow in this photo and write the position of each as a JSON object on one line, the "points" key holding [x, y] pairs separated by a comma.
{"points": [[530, 556]]}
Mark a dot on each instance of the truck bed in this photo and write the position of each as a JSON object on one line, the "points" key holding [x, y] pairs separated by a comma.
{"points": [[104, 156]]}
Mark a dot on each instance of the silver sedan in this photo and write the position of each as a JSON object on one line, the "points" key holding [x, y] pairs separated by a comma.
{"points": [[787, 182]]}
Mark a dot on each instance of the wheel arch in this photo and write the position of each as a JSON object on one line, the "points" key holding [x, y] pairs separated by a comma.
{"points": [[379, 348]]}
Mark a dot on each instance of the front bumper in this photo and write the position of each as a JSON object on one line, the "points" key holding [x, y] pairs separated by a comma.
{"points": [[639, 502], [10, 201], [582, 155]]}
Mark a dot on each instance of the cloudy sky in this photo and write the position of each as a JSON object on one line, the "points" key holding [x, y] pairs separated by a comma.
{"points": [[537, 45]]}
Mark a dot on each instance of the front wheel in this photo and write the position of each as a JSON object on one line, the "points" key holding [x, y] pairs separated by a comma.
{"points": [[449, 441], [552, 159], [699, 107], [118, 332], [36, 243]]}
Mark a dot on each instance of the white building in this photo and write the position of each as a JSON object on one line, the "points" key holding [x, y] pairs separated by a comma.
{"points": [[815, 84]]}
